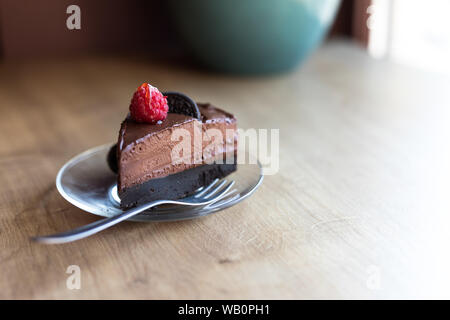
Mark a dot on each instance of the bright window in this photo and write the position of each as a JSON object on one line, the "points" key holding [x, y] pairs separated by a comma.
{"points": [[413, 32]]}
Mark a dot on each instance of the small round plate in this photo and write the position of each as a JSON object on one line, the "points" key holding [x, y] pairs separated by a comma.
{"points": [[87, 182]]}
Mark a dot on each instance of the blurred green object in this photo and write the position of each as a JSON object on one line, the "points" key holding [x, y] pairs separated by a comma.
{"points": [[252, 36]]}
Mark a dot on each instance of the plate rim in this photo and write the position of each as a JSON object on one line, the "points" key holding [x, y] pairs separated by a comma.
{"points": [[59, 186]]}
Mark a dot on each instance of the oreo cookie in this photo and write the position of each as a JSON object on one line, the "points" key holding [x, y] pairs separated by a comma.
{"points": [[112, 159], [180, 103]]}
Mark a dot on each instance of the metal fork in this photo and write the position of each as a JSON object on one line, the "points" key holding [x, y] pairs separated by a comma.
{"points": [[204, 196]]}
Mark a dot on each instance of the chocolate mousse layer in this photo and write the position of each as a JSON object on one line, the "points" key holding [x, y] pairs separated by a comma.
{"points": [[146, 152], [174, 186]]}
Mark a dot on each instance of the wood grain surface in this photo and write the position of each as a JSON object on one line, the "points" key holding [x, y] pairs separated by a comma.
{"points": [[358, 209]]}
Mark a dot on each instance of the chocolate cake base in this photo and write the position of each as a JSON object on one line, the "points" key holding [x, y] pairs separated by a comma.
{"points": [[174, 186]]}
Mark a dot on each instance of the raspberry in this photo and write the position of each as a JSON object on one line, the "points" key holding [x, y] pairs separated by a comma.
{"points": [[148, 104]]}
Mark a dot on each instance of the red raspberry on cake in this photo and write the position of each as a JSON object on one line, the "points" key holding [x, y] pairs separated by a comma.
{"points": [[148, 104]]}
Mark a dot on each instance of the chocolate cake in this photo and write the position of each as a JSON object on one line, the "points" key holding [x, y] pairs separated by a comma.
{"points": [[173, 157]]}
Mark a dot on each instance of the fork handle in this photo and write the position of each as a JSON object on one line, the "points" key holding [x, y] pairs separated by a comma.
{"points": [[94, 227]]}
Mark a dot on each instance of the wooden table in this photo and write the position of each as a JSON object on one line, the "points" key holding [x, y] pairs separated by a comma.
{"points": [[358, 209]]}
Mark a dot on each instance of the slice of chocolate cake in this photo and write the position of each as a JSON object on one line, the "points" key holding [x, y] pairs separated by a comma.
{"points": [[173, 157]]}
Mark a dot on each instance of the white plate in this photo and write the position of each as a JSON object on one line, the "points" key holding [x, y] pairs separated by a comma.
{"points": [[87, 182]]}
